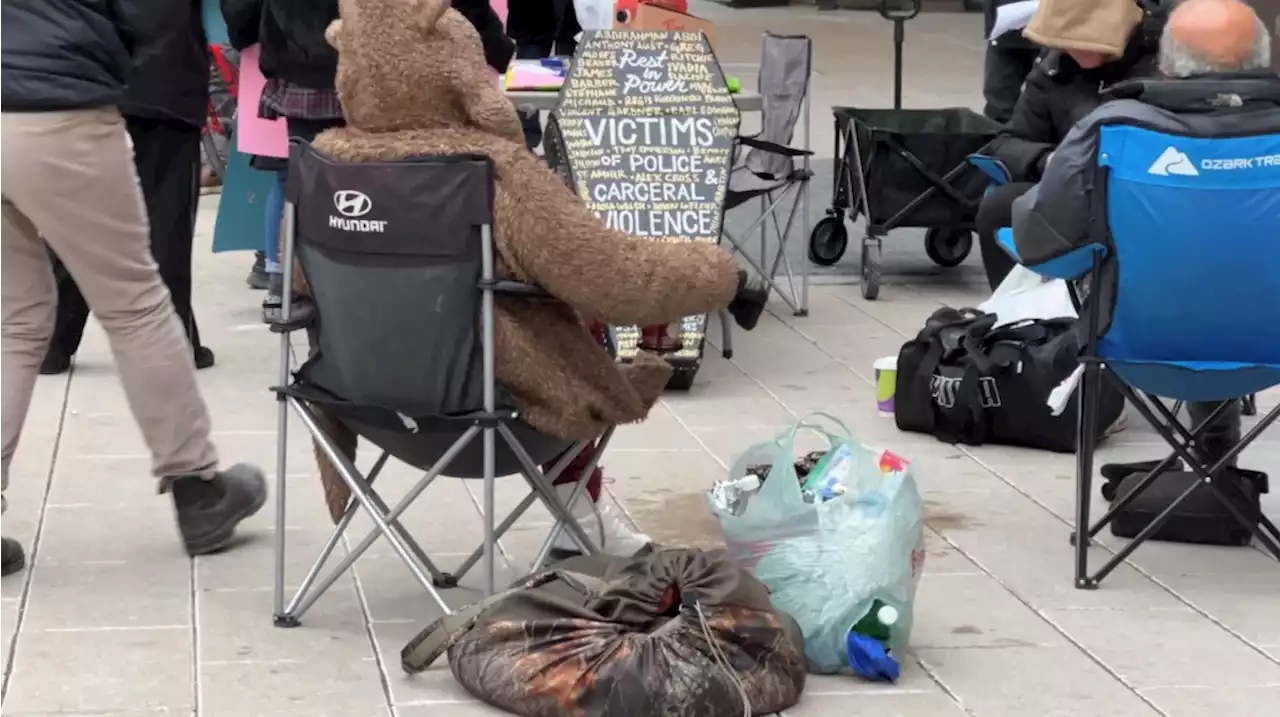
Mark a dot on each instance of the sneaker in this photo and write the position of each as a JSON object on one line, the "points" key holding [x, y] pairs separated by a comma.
{"points": [[258, 276], [1121, 423], [274, 303], [13, 559], [209, 510], [55, 362], [610, 531]]}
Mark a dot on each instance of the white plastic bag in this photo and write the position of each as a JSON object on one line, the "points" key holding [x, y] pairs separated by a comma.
{"points": [[826, 562], [1025, 295]]}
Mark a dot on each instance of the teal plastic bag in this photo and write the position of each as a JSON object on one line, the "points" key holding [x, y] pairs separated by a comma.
{"points": [[826, 562]]}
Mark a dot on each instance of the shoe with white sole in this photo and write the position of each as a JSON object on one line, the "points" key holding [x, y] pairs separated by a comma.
{"points": [[608, 530]]}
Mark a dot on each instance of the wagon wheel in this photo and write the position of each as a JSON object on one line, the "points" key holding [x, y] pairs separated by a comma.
{"points": [[948, 246], [828, 241], [870, 268]]}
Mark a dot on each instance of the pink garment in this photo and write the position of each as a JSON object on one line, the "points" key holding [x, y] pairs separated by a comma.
{"points": [[254, 135]]}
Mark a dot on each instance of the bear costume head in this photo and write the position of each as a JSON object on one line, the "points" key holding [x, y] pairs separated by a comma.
{"points": [[415, 65]]}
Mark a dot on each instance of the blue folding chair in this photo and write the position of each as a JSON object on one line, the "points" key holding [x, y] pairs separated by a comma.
{"points": [[1184, 303]]}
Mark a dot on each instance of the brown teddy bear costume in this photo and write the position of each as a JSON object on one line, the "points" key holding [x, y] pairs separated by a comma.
{"points": [[413, 82]]}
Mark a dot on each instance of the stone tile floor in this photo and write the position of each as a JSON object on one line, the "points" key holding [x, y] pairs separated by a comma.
{"points": [[110, 619]]}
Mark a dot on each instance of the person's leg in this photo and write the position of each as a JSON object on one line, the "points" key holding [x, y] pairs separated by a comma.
{"points": [[612, 533], [995, 213], [71, 174], [1004, 72], [69, 322], [275, 280], [28, 294], [167, 159], [531, 121], [1224, 434]]}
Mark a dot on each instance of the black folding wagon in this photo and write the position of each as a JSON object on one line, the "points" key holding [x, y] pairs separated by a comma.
{"points": [[903, 168]]}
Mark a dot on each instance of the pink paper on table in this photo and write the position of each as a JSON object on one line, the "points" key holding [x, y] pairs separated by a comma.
{"points": [[255, 135]]}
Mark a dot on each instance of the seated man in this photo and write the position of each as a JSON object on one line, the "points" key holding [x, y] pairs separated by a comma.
{"points": [[1093, 44], [413, 83], [1214, 48]]}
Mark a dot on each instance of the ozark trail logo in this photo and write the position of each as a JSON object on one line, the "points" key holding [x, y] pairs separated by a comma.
{"points": [[351, 203], [1172, 162]]}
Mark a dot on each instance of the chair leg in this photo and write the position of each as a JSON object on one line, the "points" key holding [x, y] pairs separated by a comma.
{"points": [[1087, 431], [726, 335], [560, 525], [514, 515]]}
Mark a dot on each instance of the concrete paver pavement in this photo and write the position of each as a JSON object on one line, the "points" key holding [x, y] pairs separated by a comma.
{"points": [[111, 619]]}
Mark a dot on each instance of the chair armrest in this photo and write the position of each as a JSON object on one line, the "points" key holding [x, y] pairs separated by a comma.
{"points": [[991, 167], [1072, 265], [516, 288], [773, 147]]}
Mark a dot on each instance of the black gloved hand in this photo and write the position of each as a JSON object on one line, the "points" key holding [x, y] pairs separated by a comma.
{"points": [[748, 303]]}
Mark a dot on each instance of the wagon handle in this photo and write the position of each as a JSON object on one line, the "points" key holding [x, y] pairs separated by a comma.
{"points": [[899, 11]]}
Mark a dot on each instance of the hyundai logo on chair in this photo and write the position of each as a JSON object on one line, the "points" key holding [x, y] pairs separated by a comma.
{"points": [[352, 205]]}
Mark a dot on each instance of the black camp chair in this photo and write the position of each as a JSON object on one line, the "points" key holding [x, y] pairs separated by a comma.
{"points": [[399, 258]]}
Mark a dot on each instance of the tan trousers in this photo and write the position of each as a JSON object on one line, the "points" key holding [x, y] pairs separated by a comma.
{"points": [[68, 177]]}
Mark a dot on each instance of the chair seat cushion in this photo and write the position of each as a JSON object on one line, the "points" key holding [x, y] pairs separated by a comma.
{"points": [[1193, 380]]}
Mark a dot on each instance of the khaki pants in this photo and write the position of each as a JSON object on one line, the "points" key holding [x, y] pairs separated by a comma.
{"points": [[69, 177]]}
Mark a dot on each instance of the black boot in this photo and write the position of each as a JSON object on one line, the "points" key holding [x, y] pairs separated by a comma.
{"points": [[209, 510], [55, 362], [258, 273], [1223, 435], [12, 559], [748, 303], [204, 357]]}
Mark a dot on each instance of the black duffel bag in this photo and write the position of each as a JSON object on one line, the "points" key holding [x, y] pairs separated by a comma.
{"points": [[964, 380]]}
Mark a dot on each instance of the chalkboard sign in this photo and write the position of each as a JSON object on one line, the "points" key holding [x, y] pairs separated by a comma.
{"points": [[644, 132]]}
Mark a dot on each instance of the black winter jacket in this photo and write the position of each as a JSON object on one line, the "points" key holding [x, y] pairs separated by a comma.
{"points": [[170, 64], [1058, 93], [291, 35], [64, 54], [1010, 40], [294, 49]]}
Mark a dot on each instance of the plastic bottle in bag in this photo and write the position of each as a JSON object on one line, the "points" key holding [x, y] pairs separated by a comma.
{"points": [[868, 643]]}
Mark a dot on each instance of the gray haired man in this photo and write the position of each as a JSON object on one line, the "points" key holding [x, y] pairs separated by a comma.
{"points": [[1219, 47]]}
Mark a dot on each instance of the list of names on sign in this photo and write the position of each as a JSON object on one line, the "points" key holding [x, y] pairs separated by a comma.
{"points": [[647, 128]]}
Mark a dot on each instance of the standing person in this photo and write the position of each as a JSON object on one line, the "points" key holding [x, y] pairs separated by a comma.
{"points": [[69, 177], [300, 66], [541, 28], [1009, 59], [164, 107]]}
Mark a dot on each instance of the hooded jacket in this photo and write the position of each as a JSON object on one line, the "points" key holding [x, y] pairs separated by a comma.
{"points": [[1056, 216], [1058, 92]]}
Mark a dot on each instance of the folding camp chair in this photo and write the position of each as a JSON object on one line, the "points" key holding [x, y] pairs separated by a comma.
{"points": [[1216, 233], [764, 166], [399, 258]]}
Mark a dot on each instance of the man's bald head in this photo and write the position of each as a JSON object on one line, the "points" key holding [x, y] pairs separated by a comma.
{"points": [[1204, 36]]}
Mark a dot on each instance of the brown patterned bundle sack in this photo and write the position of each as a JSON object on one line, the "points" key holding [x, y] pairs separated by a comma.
{"points": [[668, 632]]}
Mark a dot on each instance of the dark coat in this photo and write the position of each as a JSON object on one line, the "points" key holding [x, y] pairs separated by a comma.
{"points": [[543, 23], [64, 54], [1058, 93], [1010, 40], [170, 63], [294, 49]]}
